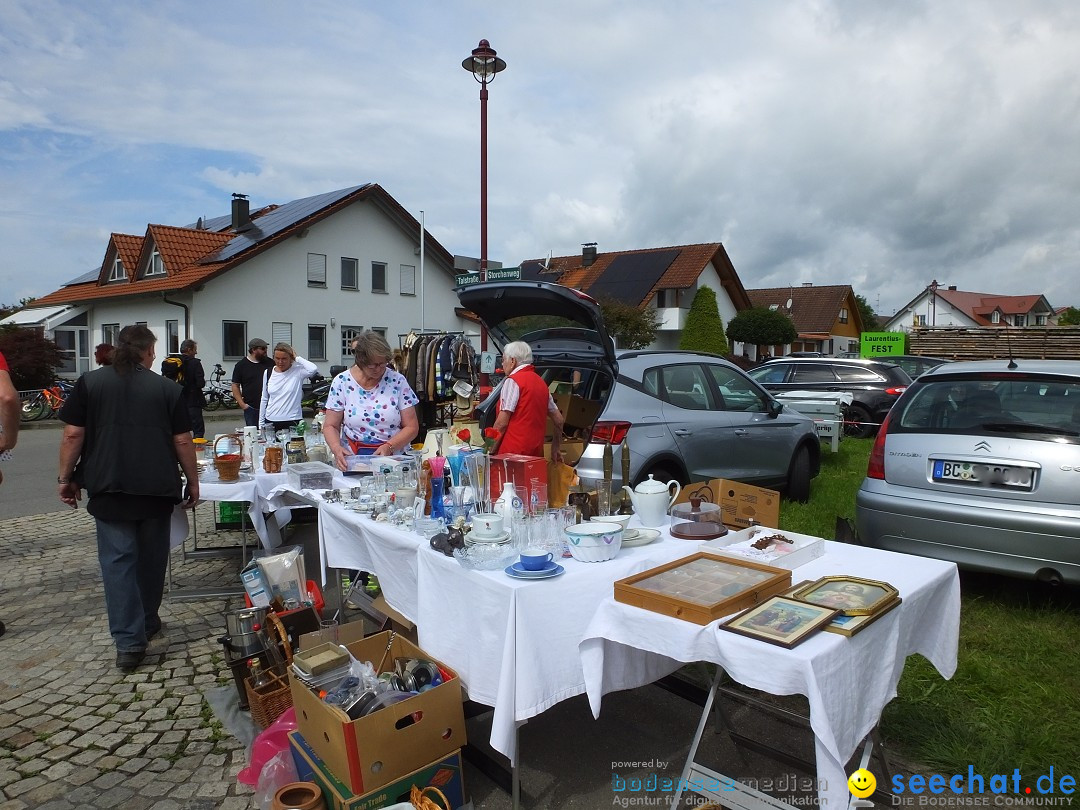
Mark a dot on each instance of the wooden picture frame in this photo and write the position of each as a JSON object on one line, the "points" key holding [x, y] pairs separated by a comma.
{"points": [[852, 596], [701, 587], [781, 620], [850, 625]]}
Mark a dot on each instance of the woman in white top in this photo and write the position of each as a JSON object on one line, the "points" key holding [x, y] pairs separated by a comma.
{"points": [[284, 388]]}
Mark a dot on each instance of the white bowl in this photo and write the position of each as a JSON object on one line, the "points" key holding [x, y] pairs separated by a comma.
{"points": [[622, 520], [597, 541]]}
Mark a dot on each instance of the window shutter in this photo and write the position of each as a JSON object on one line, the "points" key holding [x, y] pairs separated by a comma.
{"points": [[316, 269], [408, 279], [280, 333]]}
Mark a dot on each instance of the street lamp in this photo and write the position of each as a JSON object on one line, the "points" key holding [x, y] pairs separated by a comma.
{"points": [[483, 64]]}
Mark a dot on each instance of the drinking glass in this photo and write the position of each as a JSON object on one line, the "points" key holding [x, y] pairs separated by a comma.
{"points": [[538, 496], [328, 631], [603, 497], [521, 531]]}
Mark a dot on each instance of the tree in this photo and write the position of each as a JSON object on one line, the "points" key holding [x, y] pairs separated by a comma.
{"points": [[33, 360], [631, 327], [1070, 317], [867, 314], [8, 309], [704, 330], [761, 326]]}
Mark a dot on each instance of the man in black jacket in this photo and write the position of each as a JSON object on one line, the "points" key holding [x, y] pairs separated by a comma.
{"points": [[125, 431], [194, 382]]}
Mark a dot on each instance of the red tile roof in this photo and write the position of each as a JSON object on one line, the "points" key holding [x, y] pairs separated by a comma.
{"points": [[980, 306], [813, 310]]}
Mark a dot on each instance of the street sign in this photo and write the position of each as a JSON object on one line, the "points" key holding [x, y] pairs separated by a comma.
{"points": [[508, 274]]}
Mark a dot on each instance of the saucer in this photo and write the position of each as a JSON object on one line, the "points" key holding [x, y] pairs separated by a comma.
{"points": [[521, 570], [639, 537], [544, 574], [473, 538]]}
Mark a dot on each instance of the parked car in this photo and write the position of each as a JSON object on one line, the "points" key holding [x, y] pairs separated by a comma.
{"points": [[686, 416], [873, 384], [916, 364], [979, 463]]}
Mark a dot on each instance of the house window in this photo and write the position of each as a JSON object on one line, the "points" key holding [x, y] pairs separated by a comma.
{"points": [[350, 274], [172, 337], [378, 277], [117, 273], [408, 279], [1020, 320], [233, 339], [843, 317], [316, 270], [773, 307], [316, 342], [156, 266], [667, 298], [379, 330], [995, 317], [110, 333], [1040, 320], [920, 320], [280, 332], [348, 335]]}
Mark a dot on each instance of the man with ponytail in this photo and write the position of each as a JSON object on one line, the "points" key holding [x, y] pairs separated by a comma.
{"points": [[127, 435]]}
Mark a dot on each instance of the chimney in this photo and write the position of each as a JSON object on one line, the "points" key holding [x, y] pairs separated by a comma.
{"points": [[588, 253], [241, 212]]}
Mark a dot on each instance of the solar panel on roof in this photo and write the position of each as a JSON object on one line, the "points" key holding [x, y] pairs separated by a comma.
{"points": [[276, 221], [630, 276]]}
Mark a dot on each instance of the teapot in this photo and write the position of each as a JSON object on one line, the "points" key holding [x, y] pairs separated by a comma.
{"points": [[651, 500]]}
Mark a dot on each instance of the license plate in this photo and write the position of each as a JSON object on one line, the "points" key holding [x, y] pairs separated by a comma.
{"points": [[988, 475]]}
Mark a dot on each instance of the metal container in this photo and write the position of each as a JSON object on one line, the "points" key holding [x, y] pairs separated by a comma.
{"points": [[245, 620]]}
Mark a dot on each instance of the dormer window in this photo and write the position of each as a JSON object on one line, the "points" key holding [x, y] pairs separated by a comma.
{"points": [[995, 317], [156, 267], [117, 273], [773, 307]]}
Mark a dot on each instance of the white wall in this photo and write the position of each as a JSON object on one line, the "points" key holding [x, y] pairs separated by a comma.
{"points": [[668, 339]]}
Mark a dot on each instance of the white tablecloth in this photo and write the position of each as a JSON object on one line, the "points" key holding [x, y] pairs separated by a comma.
{"points": [[848, 681]]}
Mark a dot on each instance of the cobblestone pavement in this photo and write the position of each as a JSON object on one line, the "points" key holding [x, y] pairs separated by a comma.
{"points": [[74, 730]]}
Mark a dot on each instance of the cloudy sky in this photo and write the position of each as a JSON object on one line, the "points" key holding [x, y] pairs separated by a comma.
{"points": [[876, 143]]}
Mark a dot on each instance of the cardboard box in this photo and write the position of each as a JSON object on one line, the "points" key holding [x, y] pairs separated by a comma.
{"points": [[578, 412], [376, 750], [802, 549], [742, 505], [446, 774], [521, 470], [572, 449]]}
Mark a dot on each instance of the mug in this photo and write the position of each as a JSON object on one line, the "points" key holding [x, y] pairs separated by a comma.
{"points": [[405, 498], [533, 559], [487, 524]]}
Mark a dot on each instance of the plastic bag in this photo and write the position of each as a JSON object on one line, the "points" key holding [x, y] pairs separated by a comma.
{"points": [[278, 772], [270, 741]]}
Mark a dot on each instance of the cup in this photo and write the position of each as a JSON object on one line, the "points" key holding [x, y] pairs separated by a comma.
{"points": [[535, 559], [538, 497], [405, 497], [487, 524], [328, 631]]}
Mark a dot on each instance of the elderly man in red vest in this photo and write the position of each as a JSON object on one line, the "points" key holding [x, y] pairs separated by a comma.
{"points": [[524, 406]]}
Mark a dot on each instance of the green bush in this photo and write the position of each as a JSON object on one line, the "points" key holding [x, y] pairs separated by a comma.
{"points": [[704, 330]]}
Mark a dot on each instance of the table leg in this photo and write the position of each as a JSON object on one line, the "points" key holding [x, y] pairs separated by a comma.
{"points": [[692, 753], [515, 780]]}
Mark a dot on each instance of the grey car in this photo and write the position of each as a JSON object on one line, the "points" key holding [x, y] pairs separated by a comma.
{"points": [[685, 416], [979, 463]]}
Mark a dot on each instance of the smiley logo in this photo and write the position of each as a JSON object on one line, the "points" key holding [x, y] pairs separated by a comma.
{"points": [[861, 783]]}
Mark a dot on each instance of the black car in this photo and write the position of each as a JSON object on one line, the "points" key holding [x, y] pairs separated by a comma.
{"points": [[916, 364], [873, 384]]}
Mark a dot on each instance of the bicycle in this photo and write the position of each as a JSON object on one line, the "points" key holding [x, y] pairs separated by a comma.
{"points": [[218, 394], [47, 402]]}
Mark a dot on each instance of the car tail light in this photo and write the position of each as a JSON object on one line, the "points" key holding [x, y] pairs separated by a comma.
{"points": [[875, 468], [604, 432], [896, 391]]}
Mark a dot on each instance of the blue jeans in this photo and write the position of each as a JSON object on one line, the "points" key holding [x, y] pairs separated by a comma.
{"points": [[251, 416], [133, 555]]}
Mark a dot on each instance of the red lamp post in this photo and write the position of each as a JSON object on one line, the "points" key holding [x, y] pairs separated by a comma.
{"points": [[483, 64]]}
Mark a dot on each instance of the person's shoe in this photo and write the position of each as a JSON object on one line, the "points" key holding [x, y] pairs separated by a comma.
{"points": [[152, 632], [129, 660]]}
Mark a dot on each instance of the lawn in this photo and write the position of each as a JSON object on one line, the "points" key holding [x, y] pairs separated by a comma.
{"points": [[1014, 701]]}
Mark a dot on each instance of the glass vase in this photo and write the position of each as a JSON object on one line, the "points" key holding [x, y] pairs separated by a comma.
{"points": [[438, 495], [477, 467]]}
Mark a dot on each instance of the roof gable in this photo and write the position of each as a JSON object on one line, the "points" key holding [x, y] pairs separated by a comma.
{"points": [[812, 309]]}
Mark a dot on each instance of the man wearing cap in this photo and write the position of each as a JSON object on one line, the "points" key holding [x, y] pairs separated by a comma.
{"points": [[247, 380]]}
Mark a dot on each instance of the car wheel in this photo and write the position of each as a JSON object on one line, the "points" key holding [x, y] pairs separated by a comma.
{"points": [[798, 483], [858, 423]]}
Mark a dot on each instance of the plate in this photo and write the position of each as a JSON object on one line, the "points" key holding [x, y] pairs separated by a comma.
{"points": [[550, 566], [641, 537], [548, 574], [210, 476], [471, 539]]}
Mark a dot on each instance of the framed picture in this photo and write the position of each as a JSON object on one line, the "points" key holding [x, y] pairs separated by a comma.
{"points": [[850, 625], [852, 596], [780, 620], [702, 588]]}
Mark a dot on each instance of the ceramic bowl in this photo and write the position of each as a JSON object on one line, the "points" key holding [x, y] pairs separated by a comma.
{"points": [[597, 541], [622, 520]]}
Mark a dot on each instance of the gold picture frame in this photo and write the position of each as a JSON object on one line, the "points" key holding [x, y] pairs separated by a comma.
{"points": [[850, 625], [852, 596], [781, 620]]}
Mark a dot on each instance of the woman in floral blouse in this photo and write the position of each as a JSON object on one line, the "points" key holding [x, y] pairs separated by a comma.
{"points": [[370, 408]]}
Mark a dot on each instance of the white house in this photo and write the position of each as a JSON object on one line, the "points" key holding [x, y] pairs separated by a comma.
{"points": [[313, 272], [948, 306]]}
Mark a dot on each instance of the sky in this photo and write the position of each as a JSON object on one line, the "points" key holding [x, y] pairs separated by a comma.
{"points": [[874, 143]]}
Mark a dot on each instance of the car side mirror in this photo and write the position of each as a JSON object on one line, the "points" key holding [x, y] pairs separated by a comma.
{"points": [[775, 408]]}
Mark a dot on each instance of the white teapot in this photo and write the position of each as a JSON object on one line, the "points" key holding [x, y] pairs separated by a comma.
{"points": [[651, 500]]}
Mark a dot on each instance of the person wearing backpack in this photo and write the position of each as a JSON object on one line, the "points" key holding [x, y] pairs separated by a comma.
{"points": [[193, 379]]}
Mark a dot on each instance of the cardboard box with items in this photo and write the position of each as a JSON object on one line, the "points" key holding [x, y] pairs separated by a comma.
{"points": [[380, 747], [742, 505]]}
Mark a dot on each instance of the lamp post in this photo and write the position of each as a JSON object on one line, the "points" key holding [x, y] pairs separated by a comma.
{"points": [[483, 64]]}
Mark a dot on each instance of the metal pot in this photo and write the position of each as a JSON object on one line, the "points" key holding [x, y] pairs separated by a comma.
{"points": [[244, 621]]}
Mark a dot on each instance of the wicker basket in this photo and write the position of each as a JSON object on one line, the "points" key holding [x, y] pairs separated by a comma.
{"points": [[268, 702], [420, 801], [227, 464]]}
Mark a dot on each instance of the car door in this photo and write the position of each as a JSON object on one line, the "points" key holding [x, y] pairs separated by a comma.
{"points": [[761, 445], [701, 431]]}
